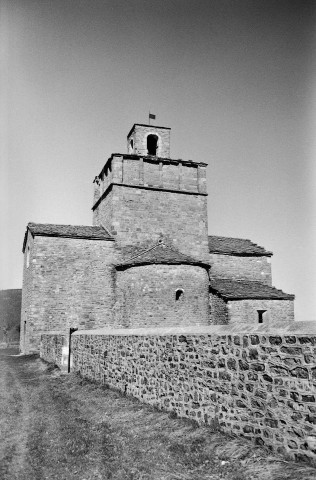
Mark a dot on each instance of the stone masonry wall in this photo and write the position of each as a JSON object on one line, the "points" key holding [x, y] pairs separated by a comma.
{"points": [[218, 310], [54, 349], [238, 268], [69, 283], [152, 289], [135, 216], [261, 386], [27, 296], [140, 135], [155, 172], [278, 311]]}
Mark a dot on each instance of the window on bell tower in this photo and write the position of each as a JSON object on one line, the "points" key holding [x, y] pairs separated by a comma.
{"points": [[152, 141]]}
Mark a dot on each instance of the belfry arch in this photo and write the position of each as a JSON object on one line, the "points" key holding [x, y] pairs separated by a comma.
{"points": [[152, 144]]}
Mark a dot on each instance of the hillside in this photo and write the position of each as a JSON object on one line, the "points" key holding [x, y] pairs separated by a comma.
{"points": [[10, 315]]}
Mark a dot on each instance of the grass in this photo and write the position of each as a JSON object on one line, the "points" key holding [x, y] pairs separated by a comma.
{"points": [[63, 427]]}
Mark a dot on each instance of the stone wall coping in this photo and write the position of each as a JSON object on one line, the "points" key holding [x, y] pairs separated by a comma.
{"points": [[150, 158], [301, 328]]}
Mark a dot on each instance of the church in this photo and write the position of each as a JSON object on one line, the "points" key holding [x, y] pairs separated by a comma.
{"points": [[148, 259]]}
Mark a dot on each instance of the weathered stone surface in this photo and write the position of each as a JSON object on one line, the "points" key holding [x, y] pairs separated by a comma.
{"points": [[148, 293], [61, 287], [135, 213], [241, 267], [270, 405], [218, 309], [275, 340], [291, 350], [281, 311], [299, 372]]}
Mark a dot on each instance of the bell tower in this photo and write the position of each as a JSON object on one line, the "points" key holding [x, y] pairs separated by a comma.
{"points": [[145, 195], [149, 140]]}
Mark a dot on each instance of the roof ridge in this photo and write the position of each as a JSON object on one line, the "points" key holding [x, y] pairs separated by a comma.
{"points": [[161, 243], [65, 225], [160, 252], [236, 246]]}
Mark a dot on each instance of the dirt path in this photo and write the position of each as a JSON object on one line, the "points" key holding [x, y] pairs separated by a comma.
{"points": [[57, 426]]}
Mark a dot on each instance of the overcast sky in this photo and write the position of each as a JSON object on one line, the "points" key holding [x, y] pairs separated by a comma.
{"points": [[234, 79]]}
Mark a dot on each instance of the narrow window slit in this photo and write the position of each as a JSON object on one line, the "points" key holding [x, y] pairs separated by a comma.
{"points": [[179, 294], [261, 315]]}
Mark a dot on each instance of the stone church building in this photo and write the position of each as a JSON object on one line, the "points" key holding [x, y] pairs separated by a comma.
{"points": [[148, 259]]}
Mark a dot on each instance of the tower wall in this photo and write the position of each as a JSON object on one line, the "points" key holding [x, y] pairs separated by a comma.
{"points": [[136, 215], [139, 199], [137, 140]]}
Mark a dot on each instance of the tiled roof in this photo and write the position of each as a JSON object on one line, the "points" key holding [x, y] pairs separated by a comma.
{"points": [[235, 246], [243, 289], [67, 231], [158, 253]]}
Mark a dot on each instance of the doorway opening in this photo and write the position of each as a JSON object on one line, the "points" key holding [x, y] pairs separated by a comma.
{"points": [[71, 331]]}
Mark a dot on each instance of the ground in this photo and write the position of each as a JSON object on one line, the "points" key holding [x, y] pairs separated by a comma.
{"points": [[56, 426]]}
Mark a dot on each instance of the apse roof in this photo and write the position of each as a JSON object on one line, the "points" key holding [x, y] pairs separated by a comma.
{"points": [[88, 232], [158, 253], [243, 289], [235, 246]]}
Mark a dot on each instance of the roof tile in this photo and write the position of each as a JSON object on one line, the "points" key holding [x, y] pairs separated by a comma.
{"points": [[157, 253], [235, 246], [88, 232], [243, 289]]}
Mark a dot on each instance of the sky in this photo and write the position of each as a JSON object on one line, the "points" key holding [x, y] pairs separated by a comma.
{"points": [[235, 80]]}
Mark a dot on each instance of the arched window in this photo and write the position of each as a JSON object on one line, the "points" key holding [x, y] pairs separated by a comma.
{"points": [[152, 141], [179, 294]]}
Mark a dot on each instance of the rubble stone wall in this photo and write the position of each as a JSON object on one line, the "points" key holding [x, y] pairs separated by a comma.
{"points": [[261, 386]]}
